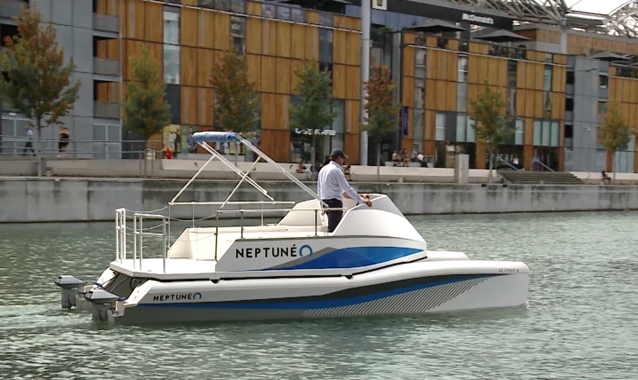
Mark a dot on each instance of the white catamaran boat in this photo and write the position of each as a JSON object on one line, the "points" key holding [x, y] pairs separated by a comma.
{"points": [[374, 263]]}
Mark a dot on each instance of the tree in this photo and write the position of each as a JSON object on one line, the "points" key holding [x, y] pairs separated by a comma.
{"points": [[491, 125], [146, 110], [314, 109], [36, 81], [381, 108], [614, 134], [236, 100]]}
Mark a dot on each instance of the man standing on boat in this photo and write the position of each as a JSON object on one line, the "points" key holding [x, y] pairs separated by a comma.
{"points": [[332, 184]]}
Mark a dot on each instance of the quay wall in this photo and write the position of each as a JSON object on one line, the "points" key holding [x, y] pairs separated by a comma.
{"points": [[49, 199]]}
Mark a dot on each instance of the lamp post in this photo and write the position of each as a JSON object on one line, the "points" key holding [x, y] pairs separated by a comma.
{"points": [[365, 74]]}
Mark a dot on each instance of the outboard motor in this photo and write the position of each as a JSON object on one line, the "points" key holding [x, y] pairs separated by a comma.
{"points": [[70, 290], [102, 304]]}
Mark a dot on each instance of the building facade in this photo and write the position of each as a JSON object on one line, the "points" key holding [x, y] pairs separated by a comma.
{"points": [[556, 100]]}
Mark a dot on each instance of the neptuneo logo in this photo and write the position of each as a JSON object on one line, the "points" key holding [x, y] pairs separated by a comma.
{"points": [[270, 252], [177, 297], [475, 18]]}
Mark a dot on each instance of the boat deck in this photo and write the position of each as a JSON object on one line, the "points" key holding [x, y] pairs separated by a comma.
{"points": [[175, 268]]}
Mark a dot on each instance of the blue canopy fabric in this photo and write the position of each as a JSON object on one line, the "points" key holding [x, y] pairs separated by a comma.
{"points": [[200, 137]]}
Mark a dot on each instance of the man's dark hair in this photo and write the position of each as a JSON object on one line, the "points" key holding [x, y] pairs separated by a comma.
{"points": [[336, 154]]}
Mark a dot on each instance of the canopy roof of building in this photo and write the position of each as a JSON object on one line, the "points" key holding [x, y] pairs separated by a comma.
{"points": [[436, 26], [498, 35], [609, 56]]}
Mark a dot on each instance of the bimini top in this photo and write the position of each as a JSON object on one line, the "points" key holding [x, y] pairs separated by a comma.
{"points": [[200, 137]]}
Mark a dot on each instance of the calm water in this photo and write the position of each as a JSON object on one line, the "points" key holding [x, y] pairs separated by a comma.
{"points": [[582, 320]]}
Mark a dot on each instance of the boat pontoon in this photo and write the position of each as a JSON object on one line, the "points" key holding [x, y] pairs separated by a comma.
{"points": [[374, 263]]}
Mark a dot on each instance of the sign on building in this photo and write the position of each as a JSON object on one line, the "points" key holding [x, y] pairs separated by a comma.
{"points": [[380, 4]]}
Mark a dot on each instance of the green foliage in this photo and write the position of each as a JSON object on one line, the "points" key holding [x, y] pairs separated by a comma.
{"points": [[487, 110], [614, 132], [380, 105], [37, 82], [146, 110], [314, 109], [236, 100], [491, 125]]}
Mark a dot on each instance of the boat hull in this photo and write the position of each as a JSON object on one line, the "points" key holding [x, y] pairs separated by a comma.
{"points": [[404, 289]]}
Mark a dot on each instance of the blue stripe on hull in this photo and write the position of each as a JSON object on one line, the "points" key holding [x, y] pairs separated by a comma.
{"points": [[310, 305], [354, 257]]}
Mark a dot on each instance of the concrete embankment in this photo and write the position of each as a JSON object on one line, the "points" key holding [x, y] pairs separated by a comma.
{"points": [[29, 199]]}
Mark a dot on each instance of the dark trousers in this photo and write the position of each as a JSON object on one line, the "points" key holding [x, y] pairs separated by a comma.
{"points": [[28, 146], [334, 217]]}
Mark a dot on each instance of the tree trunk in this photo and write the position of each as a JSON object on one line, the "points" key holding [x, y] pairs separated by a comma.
{"points": [[313, 153], [613, 166], [379, 161], [38, 151], [611, 163], [490, 155]]}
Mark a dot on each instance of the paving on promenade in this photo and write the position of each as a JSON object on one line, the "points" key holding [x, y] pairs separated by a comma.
{"points": [[262, 171]]}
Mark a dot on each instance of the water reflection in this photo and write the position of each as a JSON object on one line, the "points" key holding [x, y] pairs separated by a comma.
{"points": [[579, 323]]}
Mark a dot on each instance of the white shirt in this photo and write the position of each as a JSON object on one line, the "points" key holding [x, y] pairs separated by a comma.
{"points": [[332, 183]]}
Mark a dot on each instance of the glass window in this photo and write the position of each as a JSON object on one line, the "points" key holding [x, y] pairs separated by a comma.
{"points": [[547, 78], [325, 19], [418, 125], [99, 132], [512, 67], [171, 45], [519, 134], [471, 131], [222, 5], [238, 6], [283, 13], [440, 126], [114, 132], [461, 125], [546, 132], [603, 81], [569, 136], [237, 32], [462, 63], [171, 27], [297, 15], [207, 3], [602, 108], [376, 56], [570, 77], [325, 46], [338, 108], [171, 64], [21, 126], [461, 97], [268, 11], [419, 63], [419, 89], [555, 134], [537, 132]]}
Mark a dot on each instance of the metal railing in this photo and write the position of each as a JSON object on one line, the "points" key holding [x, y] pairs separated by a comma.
{"points": [[162, 231], [506, 163], [542, 164], [18, 146], [139, 232]]}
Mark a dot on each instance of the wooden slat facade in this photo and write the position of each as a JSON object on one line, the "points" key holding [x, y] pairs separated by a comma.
{"points": [[441, 89]]}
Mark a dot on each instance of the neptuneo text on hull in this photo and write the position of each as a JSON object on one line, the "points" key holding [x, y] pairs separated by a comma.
{"points": [[374, 262]]}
